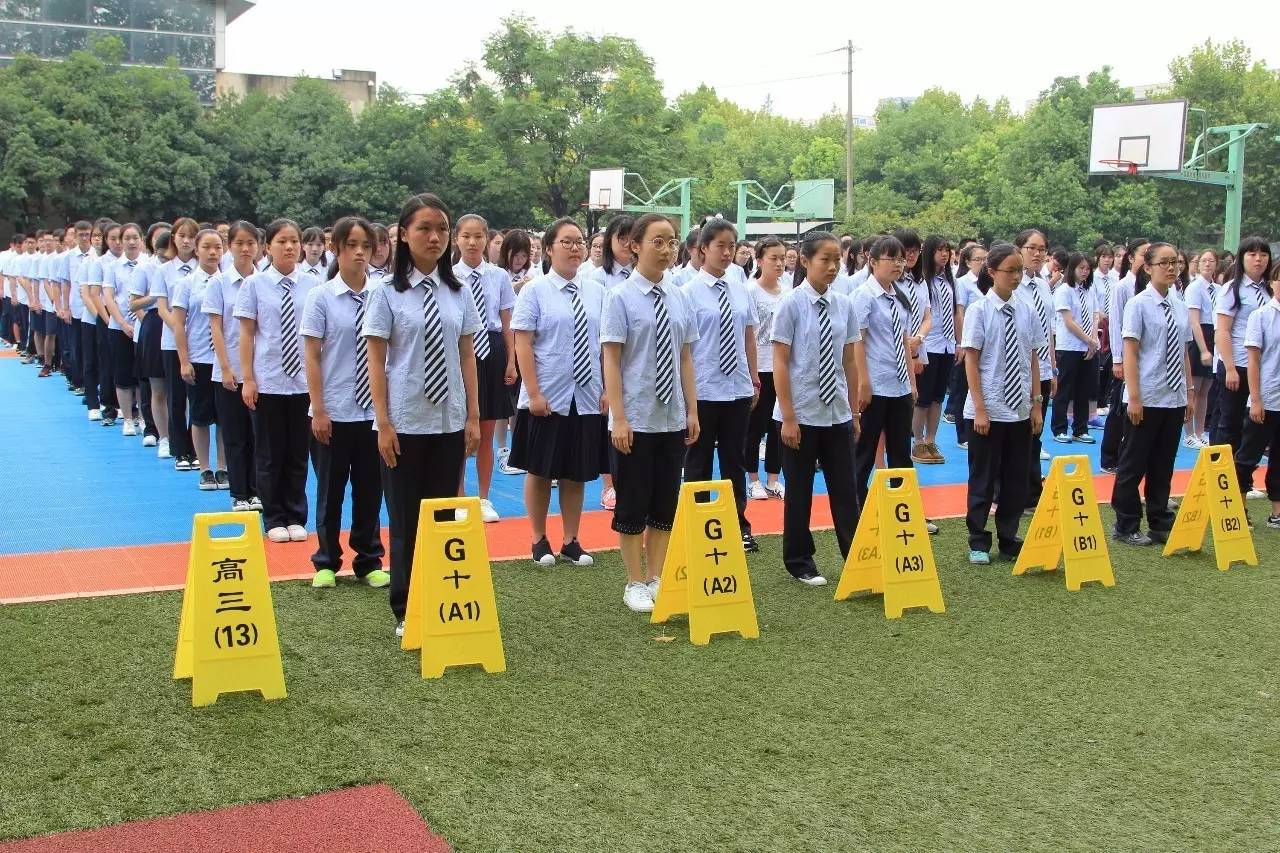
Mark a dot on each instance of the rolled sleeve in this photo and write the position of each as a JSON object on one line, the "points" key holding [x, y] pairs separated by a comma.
{"points": [[247, 301], [378, 319], [313, 314], [613, 325]]}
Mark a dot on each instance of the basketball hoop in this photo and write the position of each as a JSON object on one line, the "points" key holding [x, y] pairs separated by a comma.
{"points": [[1121, 165]]}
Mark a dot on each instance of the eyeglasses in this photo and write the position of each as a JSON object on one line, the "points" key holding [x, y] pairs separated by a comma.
{"points": [[896, 262], [1035, 250], [1171, 262], [572, 244], [1010, 270], [659, 243]]}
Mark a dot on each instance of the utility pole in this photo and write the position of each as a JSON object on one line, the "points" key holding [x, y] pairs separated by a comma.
{"points": [[848, 139]]}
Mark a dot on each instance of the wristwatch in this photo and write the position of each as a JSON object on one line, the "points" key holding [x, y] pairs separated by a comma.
{"points": [[1039, 398]]}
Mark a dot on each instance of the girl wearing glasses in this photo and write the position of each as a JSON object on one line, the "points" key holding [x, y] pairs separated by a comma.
{"points": [[617, 261], [1076, 338]]}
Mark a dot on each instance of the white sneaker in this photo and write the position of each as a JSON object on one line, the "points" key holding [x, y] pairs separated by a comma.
{"points": [[1192, 442], [460, 515], [638, 598], [1255, 494], [400, 628], [140, 425], [95, 414], [776, 490], [128, 429], [1044, 456], [255, 504], [278, 534], [487, 512], [297, 533], [162, 450], [813, 580], [653, 585], [757, 492], [1102, 412], [504, 453], [241, 506], [148, 440]]}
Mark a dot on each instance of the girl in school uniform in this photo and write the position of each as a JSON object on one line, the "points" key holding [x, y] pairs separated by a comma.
{"points": [[1076, 339], [380, 263], [1133, 278], [117, 280], [724, 362], [161, 283], [689, 260], [1157, 374], [560, 432], [235, 423], [95, 324], [647, 333], [818, 365], [973, 259], [493, 249], [1104, 278], [494, 345], [272, 364], [1262, 429], [420, 325], [344, 446], [516, 257], [745, 257], [313, 262], [617, 261], [1199, 298], [1032, 244], [887, 388], [195, 356], [595, 255], [939, 287], [766, 292], [149, 362], [1001, 339], [915, 292], [1236, 300]]}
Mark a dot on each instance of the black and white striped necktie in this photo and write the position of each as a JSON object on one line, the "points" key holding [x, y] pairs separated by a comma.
{"points": [[581, 338], [899, 345], [625, 272], [290, 353], [482, 337], [1013, 360], [1086, 316], [664, 363], [728, 357], [1173, 373], [826, 354], [947, 310], [364, 393], [1042, 352], [435, 378], [909, 290]]}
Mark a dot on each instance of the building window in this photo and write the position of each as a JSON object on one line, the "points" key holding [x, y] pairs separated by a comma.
{"points": [[59, 42], [18, 38], [21, 10], [109, 13], [178, 16]]}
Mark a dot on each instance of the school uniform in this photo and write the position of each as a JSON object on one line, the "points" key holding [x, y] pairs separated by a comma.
{"points": [[1262, 333], [95, 352], [491, 289], [116, 282], [1116, 426], [884, 318], [334, 314], [653, 321], [149, 362], [188, 294], [940, 344], [426, 403], [761, 424], [6, 304], [1003, 337], [1103, 283], [281, 427], [679, 276], [235, 421], [1200, 294], [1160, 326], [46, 277], [571, 442], [1233, 405], [619, 275], [1076, 375], [80, 265], [847, 284], [1040, 300], [916, 294], [725, 316], [162, 280], [227, 261], [967, 293], [21, 266], [817, 328], [320, 271]]}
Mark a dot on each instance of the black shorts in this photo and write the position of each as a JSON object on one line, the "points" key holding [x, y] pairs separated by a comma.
{"points": [[647, 481], [200, 403], [561, 447], [1193, 349], [492, 391], [148, 361], [123, 372], [932, 382], [52, 324]]}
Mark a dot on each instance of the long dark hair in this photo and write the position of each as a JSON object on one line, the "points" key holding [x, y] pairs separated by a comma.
{"points": [[1074, 260], [1248, 244], [996, 255], [910, 239], [750, 265], [857, 247], [552, 234], [1132, 246], [341, 231], [515, 241], [620, 227], [929, 268], [808, 247], [763, 245], [403, 263]]}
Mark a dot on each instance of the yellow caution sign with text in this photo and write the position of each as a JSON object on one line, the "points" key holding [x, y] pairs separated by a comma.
{"points": [[452, 614], [716, 587], [1068, 526], [909, 573], [227, 632], [673, 591], [1213, 496], [863, 568]]}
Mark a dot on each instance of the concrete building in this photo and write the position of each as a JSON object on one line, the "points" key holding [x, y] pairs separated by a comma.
{"points": [[357, 88]]}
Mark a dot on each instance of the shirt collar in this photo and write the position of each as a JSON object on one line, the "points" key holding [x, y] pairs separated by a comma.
{"points": [[417, 277], [1028, 278], [812, 295], [561, 282], [338, 287], [997, 301], [643, 284], [709, 280], [464, 272]]}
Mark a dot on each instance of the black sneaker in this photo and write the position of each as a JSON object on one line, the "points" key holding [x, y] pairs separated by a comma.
{"points": [[749, 543], [207, 482], [193, 464], [223, 481], [107, 422], [571, 552], [1273, 521], [180, 463], [542, 553], [1137, 537]]}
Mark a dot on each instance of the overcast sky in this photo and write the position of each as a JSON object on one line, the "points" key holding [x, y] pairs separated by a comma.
{"points": [[987, 49]]}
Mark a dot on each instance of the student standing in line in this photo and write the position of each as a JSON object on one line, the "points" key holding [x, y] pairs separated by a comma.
{"points": [[494, 345], [1031, 245], [380, 263], [162, 281], [887, 388], [1262, 429], [595, 257], [1076, 340], [692, 259], [148, 361], [122, 329], [724, 362], [313, 262], [1200, 297], [46, 280], [1104, 279], [973, 259], [235, 423], [1236, 300], [1157, 375], [95, 325], [939, 345], [617, 261], [269, 307], [818, 365], [1002, 339], [1133, 278], [766, 292], [647, 332], [560, 432], [344, 446], [493, 249], [79, 261], [514, 255], [191, 333], [422, 371]]}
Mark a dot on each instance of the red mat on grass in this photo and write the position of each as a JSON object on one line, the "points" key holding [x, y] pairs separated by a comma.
{"points": [[372, 818]]}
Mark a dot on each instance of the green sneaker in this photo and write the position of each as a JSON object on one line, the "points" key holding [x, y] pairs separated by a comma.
{"points": [[324, 579], [377, 579]]}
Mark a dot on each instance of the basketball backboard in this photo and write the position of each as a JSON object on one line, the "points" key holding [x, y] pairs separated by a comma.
{"points": [[605, 189], [1149, 134]]}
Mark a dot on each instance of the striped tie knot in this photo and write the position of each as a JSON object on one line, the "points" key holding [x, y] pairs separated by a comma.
{"points": [[482, 346]]}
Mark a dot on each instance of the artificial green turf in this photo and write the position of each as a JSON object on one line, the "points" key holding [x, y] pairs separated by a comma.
{"points": [[1026, 717]]}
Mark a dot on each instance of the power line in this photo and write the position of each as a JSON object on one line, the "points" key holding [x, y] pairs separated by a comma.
{"points": [[783, 80]]}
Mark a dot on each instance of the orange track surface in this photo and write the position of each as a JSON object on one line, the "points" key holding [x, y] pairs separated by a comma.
{"points": [[54, 575]]}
